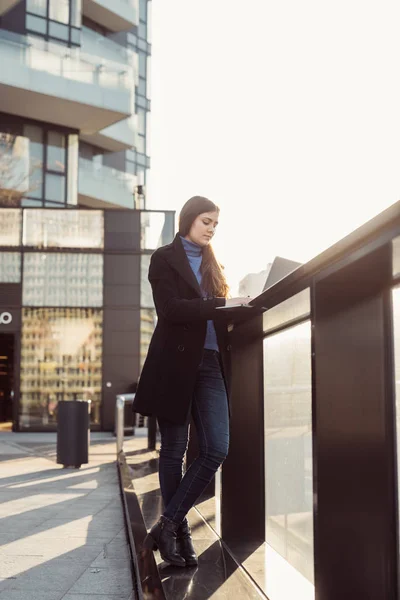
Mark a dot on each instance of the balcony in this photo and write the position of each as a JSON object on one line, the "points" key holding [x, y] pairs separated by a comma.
{"points": [[104, 187], [103, 47], [48, 82], [6, 5], [121, 17], [121, 135]]}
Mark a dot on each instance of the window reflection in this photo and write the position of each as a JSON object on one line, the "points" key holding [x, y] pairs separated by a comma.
{"points": [[288, 449], [63, 279], [59, 10], [38, 7], [63, 229], [35, 152], [10, 267], [10, 227], [56, 151], [27, 174], [61, 359]]}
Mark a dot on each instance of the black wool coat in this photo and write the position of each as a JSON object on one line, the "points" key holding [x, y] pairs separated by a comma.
{"points": [[169, 373]]}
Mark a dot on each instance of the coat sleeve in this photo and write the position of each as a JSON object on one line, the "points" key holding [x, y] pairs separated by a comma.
{"points": [[170, 305]]}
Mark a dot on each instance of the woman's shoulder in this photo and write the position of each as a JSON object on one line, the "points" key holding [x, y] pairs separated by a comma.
{"points": [[165, 251]]}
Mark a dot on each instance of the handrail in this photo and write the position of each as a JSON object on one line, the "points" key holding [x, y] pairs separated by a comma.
{"points": [[376, 232]]}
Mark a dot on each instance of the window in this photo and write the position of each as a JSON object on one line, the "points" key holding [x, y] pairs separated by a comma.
{"points": [[10, 267], [55, 19], [55, 279], [61, 359], [37, 7], [10, 226], [59, 11], [41, 165], [63, 229]]}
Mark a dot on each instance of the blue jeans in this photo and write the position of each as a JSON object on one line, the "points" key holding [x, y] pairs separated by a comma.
{"points": [[211, 418]]}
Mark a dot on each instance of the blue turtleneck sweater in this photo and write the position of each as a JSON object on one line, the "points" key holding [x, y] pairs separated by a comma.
{"points": [[194, 254]]}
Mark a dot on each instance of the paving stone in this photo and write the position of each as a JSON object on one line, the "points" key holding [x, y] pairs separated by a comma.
{"points": [[104, 581], [53, 575], [11, 594]]}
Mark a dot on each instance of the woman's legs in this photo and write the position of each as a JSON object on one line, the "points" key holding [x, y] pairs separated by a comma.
{"points": [[174, 443], [211, 417]]}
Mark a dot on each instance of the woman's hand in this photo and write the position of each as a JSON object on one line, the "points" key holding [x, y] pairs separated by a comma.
{"points": [[238, 300]]}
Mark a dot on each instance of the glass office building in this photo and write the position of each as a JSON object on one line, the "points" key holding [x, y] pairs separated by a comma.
{"points": [[75, 235], [76, 310]]}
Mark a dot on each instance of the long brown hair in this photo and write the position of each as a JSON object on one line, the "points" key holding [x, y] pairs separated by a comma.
{"points": [[212, 277]]}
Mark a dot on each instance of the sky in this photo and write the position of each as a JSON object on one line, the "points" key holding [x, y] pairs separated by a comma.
{"points": [[285, 114]]}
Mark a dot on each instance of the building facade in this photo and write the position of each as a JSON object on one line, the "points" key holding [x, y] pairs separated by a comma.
{"points": [[76, 312], [76, 309]]}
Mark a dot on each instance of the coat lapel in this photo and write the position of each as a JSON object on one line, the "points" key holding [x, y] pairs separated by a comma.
{"points": [[177, 258]]}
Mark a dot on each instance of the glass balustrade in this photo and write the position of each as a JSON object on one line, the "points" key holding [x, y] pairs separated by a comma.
{"points": [[49, 57]]}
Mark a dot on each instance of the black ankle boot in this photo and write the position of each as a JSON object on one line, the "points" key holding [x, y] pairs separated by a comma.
{"points": [[163, 536], [184, 544]]}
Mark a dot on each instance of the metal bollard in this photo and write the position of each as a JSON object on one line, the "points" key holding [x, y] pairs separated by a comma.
{"points": [[119, 422], [123, 402]]}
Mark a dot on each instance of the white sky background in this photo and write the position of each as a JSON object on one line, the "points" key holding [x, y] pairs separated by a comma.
{"points": [[284, 113]]}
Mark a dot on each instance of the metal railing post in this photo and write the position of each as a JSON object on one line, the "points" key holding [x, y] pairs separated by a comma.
{"points": [[119, 422]]}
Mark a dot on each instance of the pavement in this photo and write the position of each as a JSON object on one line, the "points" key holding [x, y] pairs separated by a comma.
{"points": [[62, 532]]}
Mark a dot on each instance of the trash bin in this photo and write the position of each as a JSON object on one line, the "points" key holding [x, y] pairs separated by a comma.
{"points": [[73, 433]]}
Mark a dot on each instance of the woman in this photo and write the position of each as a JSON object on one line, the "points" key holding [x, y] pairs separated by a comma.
{"points": [[187, 372]]}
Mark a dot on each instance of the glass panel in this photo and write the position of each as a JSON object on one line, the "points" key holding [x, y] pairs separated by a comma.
{"points": [[142, 87], [29, 203], [10, 227], [156, 229], [64, 228], [148, 320], [72, 176], [58, 30], [146, 296], [142, 64], [14, 168], [38, 7], [63, 280], [141, 159], [396, 256], [35, 136], [76, 12], [141, 144], [141, 121], [59, 10], [36, 24], [143, 10], [130, 154], [61, 359], [293, 308], [142, 31], [75, 36], [10, 267], [56, 151], [55, 188], [288, 456], [142, 45]]}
